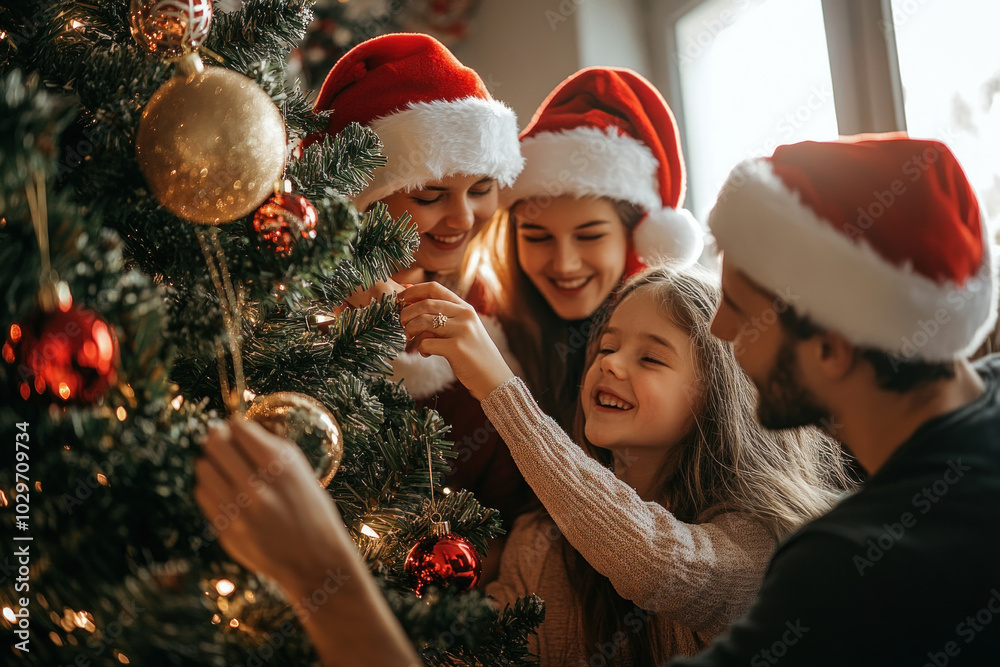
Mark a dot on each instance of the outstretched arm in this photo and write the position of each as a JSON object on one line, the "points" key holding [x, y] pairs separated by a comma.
{"points": [[288, 528], [439, 322], [703, 575]]}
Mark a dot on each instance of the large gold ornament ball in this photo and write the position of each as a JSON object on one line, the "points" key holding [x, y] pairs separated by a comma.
{"points": [[211, 145], [305, 421]]}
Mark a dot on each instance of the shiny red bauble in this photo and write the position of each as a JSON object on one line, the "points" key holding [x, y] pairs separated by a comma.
{"points": [[284, 219], [71, 355], [445, 561]]}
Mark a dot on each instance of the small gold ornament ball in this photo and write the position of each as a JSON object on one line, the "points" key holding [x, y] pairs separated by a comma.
{"points": [[305, 421], [211, 144]]}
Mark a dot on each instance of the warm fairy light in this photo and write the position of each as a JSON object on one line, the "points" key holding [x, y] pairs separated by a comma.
{"points": [[177, 402], [216, 619], [8, 613], [15, 333], [64, 390], [248, 395], [3, 499], [446, 491], [225, 587], [3, 221], [38, 486], [120, 413], [234, 623], [76, 25], [250, 597], [102, 479], [122, 658], [56, 639], [367, 530]]}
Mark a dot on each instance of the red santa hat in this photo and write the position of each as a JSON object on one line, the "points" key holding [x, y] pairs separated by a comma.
{"points": [[434, 116], [607, 132], [878, 237]]}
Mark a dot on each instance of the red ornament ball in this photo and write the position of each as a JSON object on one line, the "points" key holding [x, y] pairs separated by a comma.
{"points": [[283, 219], [170, 28], [72, 355], [446, 561]]}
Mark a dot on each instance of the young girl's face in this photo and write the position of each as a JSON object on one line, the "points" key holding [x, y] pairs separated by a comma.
{"points": [[641, 390], [572, 250], [447, 213]]}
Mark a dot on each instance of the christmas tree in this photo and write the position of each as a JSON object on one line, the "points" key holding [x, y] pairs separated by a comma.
{"points": [[126, 327]]}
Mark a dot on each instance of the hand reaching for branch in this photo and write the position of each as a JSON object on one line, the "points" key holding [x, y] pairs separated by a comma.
{"points": [[438, 322], [283, 525]]}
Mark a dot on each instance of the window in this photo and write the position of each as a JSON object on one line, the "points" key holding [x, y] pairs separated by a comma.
{"points": [[754, 75], [949, 64], [747, 75]]}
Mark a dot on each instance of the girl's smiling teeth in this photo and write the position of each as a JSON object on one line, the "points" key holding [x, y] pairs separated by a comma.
{"points": [[570, 284], [607, 400], [447, 240]]}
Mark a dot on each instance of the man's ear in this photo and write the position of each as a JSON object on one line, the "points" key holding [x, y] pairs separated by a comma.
{"points": [[833, 355]]}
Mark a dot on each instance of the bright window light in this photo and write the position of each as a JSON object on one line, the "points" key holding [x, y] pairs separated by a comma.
{"points": [[755, 74], [949, 61]]}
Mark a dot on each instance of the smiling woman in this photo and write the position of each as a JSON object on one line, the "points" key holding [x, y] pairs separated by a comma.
{"points": [[599, 198], [449, 148]]}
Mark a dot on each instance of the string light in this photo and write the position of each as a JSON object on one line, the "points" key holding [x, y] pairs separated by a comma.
{"points": [[121, 413], [225, 587], [177, 402], [8, 613], [102, 479], [234, 623], [367, 530], [446, 491]]}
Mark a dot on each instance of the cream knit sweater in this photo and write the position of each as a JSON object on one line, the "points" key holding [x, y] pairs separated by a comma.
{"points": [[697, 578]]}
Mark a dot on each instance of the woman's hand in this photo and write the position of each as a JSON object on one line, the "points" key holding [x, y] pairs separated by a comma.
{"points": [[459, 337], [364, 298], [260, 494]]}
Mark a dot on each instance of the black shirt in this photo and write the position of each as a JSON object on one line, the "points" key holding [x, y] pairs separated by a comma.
{"points": [[904, 572]]}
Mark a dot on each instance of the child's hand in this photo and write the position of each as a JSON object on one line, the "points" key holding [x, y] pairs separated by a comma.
{"points": [[438, 322]]}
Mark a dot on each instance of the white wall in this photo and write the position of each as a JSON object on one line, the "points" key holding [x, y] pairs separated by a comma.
{"points": [[524, 48]]}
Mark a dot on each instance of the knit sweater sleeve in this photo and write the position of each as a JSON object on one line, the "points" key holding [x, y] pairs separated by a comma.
{"points": [[701, 575]]}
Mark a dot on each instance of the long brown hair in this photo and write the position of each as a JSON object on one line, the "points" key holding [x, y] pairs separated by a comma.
{"points": [[726, 462], [551, 350]]}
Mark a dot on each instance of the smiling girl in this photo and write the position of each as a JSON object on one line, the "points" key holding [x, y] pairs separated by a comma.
{"points": [[656, 532], [599, 197], [449, 148]]}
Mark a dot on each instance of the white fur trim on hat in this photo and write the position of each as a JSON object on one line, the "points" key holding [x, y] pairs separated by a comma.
{"points": [[669, 235], [431, 140], [766, 231], [587, 161], [424, 377]]}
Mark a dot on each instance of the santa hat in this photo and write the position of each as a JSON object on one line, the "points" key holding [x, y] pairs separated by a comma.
{"points": [[878, 237], [607, 132], [434, 116]]}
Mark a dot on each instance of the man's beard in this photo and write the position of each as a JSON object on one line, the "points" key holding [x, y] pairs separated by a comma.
{"points": [[784, 403]]}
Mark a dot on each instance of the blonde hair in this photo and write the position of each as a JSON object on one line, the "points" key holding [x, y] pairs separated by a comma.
{"points": [[544, 343], [726, 462]]}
